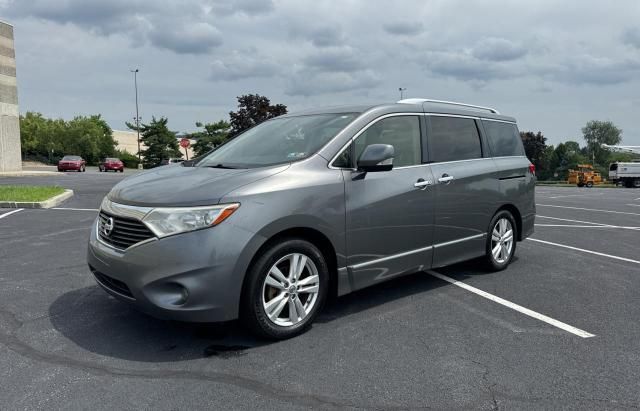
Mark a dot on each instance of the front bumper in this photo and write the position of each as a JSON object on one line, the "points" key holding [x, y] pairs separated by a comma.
{"points": [[69, 168], [194, 277]]}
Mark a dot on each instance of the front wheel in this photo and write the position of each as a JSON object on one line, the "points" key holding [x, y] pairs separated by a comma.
{"points": [[286, 287], [590, 184], [501, 241]]}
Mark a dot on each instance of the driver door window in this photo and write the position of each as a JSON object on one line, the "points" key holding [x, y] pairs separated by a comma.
{"points": [[402, 132]]}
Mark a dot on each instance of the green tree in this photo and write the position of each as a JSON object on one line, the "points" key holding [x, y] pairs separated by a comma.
{"points": [[253, 109], [535, 145], [90, 137], [565, 156], [596, 133], [212, 135], [47, 139], [160, 141]]}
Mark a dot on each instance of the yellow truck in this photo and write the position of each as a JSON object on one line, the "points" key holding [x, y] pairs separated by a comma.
{"points": [[584, 176]]}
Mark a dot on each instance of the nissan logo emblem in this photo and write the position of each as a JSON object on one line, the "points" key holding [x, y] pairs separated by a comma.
{"points": [[108, 227]]}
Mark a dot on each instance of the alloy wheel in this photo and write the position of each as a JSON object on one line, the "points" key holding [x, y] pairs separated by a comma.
{"points": [[290, 289], [502, 240]]}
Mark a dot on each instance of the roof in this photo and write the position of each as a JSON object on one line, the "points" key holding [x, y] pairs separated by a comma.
{"points": [[414, 105]]}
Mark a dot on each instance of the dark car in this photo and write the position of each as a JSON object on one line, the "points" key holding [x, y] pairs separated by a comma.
{"points": [[72, 163], [111, 163]]}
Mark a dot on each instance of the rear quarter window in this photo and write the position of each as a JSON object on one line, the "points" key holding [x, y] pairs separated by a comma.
{"points": [[504, 138]]}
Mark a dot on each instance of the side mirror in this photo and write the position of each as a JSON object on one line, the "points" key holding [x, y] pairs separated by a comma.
{"points": [[376, 157]]}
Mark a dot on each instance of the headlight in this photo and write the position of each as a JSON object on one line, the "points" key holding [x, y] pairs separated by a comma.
{"points": [[168, 221]]}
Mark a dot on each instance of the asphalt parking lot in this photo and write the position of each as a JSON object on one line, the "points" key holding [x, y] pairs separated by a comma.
{"points": [[558, 329]]}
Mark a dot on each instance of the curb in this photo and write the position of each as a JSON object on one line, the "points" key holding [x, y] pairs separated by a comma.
{"points": [[28, 173], [52, 202]]}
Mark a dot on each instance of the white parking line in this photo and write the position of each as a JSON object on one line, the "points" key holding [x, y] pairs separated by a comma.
{"points": [[578, 195], [589, 222], [633, 205], [615, 257], [573, 225], [513, 306], [9, 213], [74, 209], [587, 209]]}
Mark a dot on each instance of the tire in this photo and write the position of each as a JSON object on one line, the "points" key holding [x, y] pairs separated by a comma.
{"points": [[580, 185], [636, 183], [122, 171], [286, 300], [84, 169], [590, 184], [497, 225]]}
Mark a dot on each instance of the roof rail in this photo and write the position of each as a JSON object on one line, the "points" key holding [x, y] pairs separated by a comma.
{"points": [[452, 103]]}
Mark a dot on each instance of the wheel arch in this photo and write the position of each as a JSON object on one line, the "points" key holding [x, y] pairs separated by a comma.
{"points": [[516, 216]]}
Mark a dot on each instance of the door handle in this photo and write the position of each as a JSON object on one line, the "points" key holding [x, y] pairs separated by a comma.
{"points": [[422, 183], [446, 179]]}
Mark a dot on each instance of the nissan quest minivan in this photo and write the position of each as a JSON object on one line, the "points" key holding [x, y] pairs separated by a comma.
{"points": [[328, 201]]}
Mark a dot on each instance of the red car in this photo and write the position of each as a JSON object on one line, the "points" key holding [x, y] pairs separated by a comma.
{"points": [[72, 163], [111, 164]]}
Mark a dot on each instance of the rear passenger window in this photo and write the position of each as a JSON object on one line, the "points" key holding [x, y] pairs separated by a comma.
{"points": [[453, 138], [402, 132], [504, 138]]}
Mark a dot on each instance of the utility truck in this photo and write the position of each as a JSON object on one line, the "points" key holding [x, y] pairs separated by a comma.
{"points": [[626, 174]]}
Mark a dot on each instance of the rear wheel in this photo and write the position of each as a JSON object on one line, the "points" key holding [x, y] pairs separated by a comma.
{"points": [[636, 183], [501, 241], [286, 288], [580, 185], [590, 184]]}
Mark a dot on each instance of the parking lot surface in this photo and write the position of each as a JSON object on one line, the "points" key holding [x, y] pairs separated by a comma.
{"points": [[558, 329]]}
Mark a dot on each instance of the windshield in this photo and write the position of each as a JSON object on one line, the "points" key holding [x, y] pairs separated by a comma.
{"points": [[281, 140], [71, 158]]}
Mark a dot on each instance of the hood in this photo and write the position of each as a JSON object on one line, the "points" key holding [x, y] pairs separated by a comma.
{"points": [[178, 186]]}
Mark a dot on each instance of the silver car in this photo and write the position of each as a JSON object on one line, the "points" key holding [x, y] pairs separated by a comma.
{"points": [[321, 202]]}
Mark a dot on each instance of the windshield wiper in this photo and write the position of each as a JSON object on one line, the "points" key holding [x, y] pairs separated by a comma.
{"points": [[221, 166]]}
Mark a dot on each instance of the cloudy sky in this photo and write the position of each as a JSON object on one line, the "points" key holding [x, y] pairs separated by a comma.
{"points": [[553, 65]]}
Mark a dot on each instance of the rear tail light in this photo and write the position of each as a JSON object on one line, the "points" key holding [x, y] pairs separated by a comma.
{"points": [[532, 169]]}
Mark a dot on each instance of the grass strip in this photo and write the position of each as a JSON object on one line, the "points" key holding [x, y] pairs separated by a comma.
{"points": [[28, 193]]}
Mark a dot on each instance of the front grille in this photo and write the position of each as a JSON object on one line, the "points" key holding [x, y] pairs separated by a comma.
{"points": [[112, 284], [125, 232]]}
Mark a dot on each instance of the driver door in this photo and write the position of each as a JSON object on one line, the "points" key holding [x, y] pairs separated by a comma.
{"points": [[390, 214]]}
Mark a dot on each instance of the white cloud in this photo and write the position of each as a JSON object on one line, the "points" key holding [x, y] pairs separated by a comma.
{"points": [[534, 60]]}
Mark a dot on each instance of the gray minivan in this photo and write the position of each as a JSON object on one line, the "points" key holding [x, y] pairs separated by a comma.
{"points": [[305, 205]]}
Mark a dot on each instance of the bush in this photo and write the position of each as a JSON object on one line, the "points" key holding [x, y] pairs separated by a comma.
{"points": [[129, 160]]}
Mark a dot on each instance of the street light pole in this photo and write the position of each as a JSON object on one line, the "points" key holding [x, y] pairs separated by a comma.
{"points": [[401, 90], [135, 82]]}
